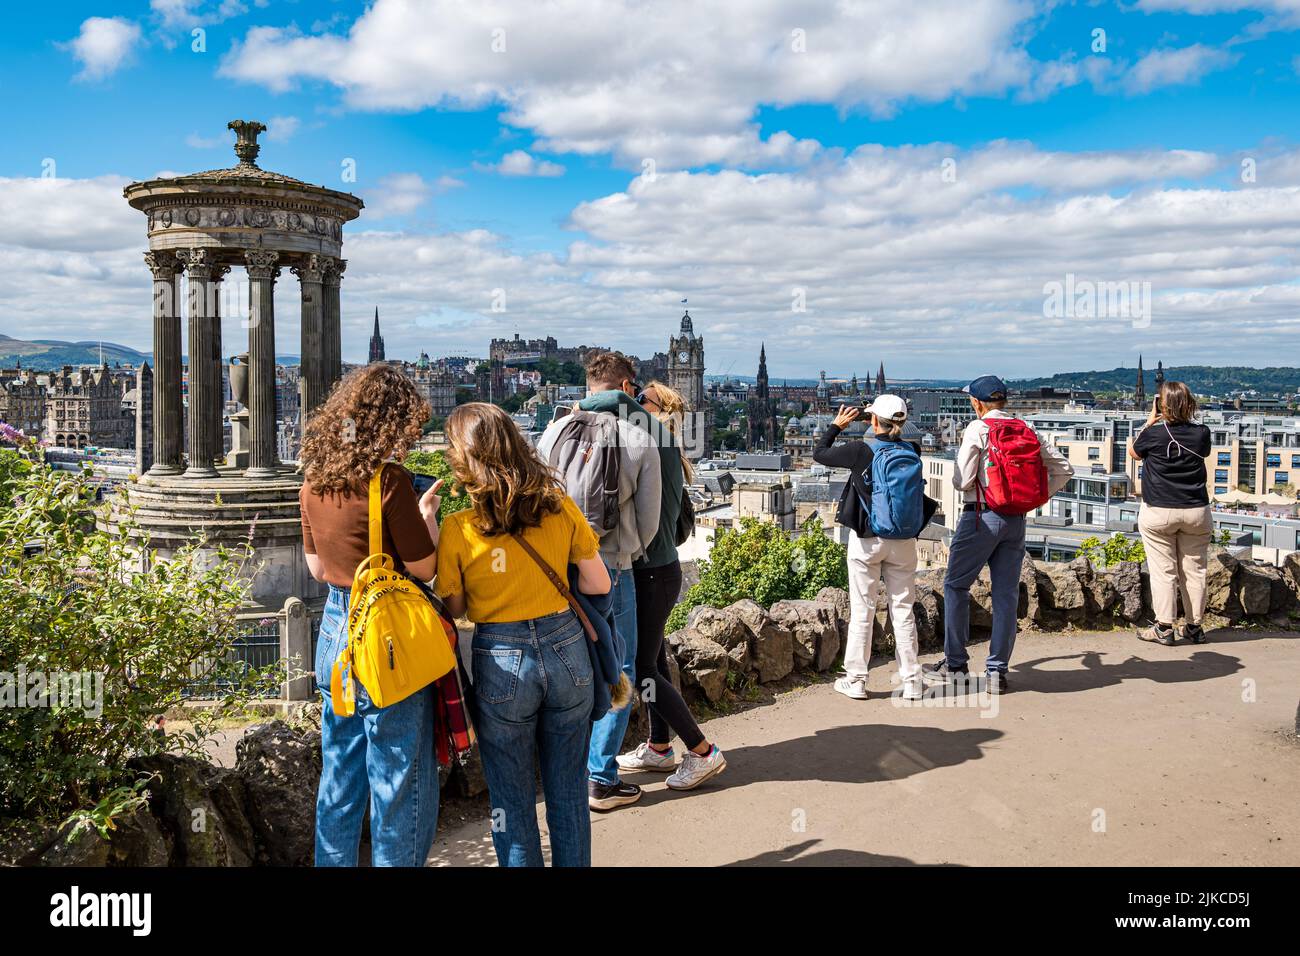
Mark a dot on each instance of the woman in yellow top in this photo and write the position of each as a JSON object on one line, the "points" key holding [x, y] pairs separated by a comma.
{"points": [[532, 669]]}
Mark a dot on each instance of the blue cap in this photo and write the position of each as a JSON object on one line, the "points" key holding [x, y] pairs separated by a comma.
{"points": [[987, 388]]}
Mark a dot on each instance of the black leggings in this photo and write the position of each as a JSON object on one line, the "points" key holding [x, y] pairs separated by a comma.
{"points": [[656, 595]]}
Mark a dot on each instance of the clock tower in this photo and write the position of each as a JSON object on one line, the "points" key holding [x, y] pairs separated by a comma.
{"points": [[686, 374]]}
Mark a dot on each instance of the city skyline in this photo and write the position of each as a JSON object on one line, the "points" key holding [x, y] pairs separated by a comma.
{"points": [[813, 190]]}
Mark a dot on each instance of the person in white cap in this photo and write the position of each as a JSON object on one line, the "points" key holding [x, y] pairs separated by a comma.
{"points": [[884, 504]]}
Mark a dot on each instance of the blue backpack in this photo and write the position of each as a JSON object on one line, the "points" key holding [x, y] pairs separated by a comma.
{"points": [[897, 506]]}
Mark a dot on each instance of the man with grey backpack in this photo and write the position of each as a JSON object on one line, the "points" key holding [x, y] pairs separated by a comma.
{"points": [[885, 506], [611, 469]]}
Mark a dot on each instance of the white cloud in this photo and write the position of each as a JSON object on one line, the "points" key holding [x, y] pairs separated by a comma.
{"points": [[521, 163], [280, 129], [397, 194], [677, 80], [897, 263], [195, 141], [103, 45], [187, 14], [1174, 67]]}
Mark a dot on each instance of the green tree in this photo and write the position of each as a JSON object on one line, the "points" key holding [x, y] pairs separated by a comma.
{"points": [[81, 609], [759, 560]]}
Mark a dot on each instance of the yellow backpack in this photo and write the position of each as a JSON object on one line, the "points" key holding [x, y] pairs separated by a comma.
{"points": [[397, 642]]}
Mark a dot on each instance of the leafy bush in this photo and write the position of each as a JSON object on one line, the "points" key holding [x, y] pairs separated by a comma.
{"points": [[78, 611], [760, 561], [1113, 550], [434, 463]]}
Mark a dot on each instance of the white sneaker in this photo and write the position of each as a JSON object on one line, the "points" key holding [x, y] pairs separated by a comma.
{"points": [[646, 757], [855, 687], [694, 769], [913, 690]]}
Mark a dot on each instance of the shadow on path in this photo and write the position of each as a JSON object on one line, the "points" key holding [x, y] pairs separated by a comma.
{"points": [[1197, 665], [859, 753], [794, 855]]}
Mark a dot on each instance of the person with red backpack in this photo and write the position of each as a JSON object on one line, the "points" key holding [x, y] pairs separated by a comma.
{"points": [[1004, 472]]}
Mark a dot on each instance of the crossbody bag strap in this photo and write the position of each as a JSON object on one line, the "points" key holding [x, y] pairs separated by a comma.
{"points": [[377, 511], [559, 586]]}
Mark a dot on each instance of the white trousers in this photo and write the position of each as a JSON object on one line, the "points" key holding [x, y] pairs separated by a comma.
{"points": [[872, 560]]}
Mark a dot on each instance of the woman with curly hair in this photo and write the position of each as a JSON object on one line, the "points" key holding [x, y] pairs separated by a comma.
{"points": [[379, 756], [532, 670]]}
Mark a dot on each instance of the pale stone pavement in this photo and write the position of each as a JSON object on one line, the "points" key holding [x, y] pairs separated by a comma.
{"points": [[1109, 751]]}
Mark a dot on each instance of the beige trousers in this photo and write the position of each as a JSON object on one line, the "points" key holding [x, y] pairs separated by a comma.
{"points": [[1177, 542]]}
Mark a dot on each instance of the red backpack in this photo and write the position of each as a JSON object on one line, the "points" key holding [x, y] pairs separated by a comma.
{"points": [[1016, 474]]}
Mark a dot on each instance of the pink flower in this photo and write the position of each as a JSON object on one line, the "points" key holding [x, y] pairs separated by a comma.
{"points": [[12, 435]]}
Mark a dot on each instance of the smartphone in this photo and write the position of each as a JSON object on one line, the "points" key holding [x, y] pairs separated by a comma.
{"points": [[422, 483]]}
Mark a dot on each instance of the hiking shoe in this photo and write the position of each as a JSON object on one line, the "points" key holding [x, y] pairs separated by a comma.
{"points": [[1194, 633], [646, 757], [1159, 634], [941, 674], [603, 797], [996, 682], [694, 769], [855, 687]]}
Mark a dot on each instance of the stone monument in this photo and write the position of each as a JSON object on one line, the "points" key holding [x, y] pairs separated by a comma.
{"points": [[200, 226]]}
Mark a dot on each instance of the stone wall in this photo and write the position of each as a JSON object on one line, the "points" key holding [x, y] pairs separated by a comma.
{"points": [[720, 647]]}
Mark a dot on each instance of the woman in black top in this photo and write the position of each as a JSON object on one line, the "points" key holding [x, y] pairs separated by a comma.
{"points": [[1175, 516]]}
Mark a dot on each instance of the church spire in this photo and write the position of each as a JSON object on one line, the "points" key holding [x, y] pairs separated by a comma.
{"points": [[1140, 393], [880, 380], [376, 341]]}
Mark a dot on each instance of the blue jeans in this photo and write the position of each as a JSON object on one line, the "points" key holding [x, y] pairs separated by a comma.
{"points": [[381, 755], [607, 733], [982, 538], [532, 703]]}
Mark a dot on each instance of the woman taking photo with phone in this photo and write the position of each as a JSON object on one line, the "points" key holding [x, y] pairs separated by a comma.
{"points": [[1175, 517], [381, 757], [532, 670]]}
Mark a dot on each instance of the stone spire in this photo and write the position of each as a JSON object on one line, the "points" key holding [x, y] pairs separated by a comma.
{"points": [[688, 327], [1140, 393], [880, 380], [376, 341]]}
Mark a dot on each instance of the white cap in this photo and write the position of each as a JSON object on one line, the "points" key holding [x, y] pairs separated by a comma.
{"points": [[888, 408]]}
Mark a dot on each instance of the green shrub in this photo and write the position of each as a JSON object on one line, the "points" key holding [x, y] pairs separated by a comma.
{"points": [[760, 561], [76, 603], [1113, 550]]}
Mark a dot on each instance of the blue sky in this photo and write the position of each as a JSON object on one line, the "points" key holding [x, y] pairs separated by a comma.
{"points": [[781, 174]]}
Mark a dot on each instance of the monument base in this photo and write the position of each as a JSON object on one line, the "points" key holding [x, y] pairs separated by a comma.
{"points": [[231, 510]]}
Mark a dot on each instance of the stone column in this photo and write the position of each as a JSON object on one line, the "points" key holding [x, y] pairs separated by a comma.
{"points": [[204, 383], [168, 427], [219, 273], [262, 273], [143, 418], [311, 274], [332, 343]]}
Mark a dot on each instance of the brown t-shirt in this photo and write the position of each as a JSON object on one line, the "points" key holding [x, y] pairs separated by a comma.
{"points": [[337, 527]]}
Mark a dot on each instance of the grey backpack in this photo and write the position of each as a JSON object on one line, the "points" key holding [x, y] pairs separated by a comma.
{"points": [[586, 456]]}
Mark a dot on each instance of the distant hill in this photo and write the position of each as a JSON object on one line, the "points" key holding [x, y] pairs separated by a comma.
{"points": [[50, 354], [1202, 379], [53, 353]]}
